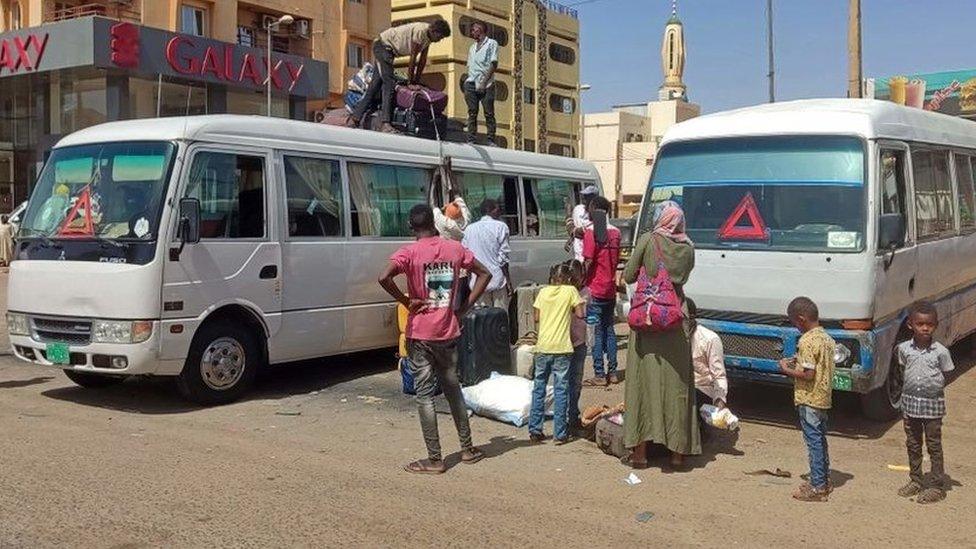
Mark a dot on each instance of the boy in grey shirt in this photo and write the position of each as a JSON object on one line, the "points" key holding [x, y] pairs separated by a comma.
{"points": [[923, 401]]}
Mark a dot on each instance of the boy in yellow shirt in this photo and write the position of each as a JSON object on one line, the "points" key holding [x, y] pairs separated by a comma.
{"points": [[812, 370], [554, 308]]}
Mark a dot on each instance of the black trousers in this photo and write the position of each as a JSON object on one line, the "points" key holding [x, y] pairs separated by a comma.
{"points": [[931, 430], [484, 99], [383, 82]]}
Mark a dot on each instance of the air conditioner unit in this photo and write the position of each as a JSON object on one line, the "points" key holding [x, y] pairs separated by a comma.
{"points": [[267, 21], [303, 28]]}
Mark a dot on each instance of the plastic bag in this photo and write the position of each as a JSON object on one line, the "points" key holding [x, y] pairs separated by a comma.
{"points": [[505, 398], [719, 418]]}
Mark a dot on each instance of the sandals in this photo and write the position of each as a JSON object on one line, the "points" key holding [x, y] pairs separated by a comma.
{"points": [[537, 438], [425, 467], [808, 493], [636, 465], [911, 489], [596, 382], [931, 495], [472, 455]]}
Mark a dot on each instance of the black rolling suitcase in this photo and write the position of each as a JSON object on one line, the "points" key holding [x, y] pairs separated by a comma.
{"points": [[485, 345]]}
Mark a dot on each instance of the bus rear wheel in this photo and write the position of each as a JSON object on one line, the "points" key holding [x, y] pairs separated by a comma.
{"points": [[884, 403], [222, 364], [92, 381]]}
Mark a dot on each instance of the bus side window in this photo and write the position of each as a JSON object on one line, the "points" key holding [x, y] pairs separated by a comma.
{"points": [[893, 185], [230, 188], [479, 186], [382, 196], [547, 203]]}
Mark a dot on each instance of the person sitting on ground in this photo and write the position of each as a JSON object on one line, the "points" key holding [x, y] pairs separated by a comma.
{"points": [[925, 362], [812, 370], [554, 306], [409, 39], [488, 238], [708, 359], [431, 266]]}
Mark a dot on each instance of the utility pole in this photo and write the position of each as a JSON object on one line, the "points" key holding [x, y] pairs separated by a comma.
{"points": [[854, 75], [769, 43]]}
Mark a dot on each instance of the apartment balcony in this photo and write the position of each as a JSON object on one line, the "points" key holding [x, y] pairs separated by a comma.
{"points": [[123, 10]]}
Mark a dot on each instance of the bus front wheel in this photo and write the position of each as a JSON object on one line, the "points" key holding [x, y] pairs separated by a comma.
{"points": [[92, 381], [222, 363], [884, 403]]}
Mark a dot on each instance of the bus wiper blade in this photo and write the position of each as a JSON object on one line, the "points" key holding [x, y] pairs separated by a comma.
{"points": [[106, 242]]}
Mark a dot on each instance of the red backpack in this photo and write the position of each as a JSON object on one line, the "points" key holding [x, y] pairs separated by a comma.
{"points": [[655, 305]]}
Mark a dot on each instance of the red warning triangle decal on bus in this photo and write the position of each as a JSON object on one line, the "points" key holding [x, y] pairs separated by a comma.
{"points": [[755, 230], [81, 210]]}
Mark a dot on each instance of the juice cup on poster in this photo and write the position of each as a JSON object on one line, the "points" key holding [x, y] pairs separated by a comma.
{"points": [[896, 86], [915, 93]]}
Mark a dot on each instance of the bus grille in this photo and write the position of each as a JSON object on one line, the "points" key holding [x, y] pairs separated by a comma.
{"points": [[751, 346], [53, 330]]}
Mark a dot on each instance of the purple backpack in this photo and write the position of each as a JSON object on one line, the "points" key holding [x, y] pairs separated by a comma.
{"points": [[655, 306]]}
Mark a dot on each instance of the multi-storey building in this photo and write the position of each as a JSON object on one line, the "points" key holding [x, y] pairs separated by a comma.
{"points": [[69, 64], [537, 93]]}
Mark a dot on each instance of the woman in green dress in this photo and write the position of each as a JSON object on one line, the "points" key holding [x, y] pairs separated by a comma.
{"points": [[660, 390]]}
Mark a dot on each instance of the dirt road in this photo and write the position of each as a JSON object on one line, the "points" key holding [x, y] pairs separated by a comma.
{"points": [[314, 459]]}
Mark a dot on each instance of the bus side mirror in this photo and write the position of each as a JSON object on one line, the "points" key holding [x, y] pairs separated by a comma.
{"points": [[189, 220], [891, 231], [189, 230]]}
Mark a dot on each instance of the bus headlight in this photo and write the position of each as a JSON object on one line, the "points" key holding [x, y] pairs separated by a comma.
{"points": [[841, 354], [121, 331], [17, 324]]}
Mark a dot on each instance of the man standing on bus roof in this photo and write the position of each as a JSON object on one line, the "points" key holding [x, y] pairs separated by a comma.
{"points": [[479, 88], [431, 266], [487, 239], [410, 39], [579, 222]]}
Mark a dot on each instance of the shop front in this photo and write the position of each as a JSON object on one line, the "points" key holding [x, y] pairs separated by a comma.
{"points": [[59, 78]]}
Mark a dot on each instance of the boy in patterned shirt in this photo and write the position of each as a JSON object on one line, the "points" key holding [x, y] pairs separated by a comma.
{"points": [[812, 370], [923, 401]]}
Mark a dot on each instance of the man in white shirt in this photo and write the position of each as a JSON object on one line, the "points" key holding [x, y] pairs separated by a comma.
{"points": [[580, 221], [479, 88], [452, 220], [487, 239], [708, 359]]}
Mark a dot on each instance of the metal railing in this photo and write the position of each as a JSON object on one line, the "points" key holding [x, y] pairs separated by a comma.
{"points": [[121, 10], [561, 9]]}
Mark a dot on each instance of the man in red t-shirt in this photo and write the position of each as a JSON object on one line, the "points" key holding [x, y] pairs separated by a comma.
{"points": [[431, 266], [600, 266]]}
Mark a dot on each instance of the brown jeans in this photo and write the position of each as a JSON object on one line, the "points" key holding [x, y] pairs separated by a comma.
{"points": [[931, 430]]}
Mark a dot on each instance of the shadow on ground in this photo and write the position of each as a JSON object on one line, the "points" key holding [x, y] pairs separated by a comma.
{"points": [[148, 395]]}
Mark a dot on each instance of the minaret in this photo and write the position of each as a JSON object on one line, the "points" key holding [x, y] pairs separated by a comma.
{"points": [[673, 58]]}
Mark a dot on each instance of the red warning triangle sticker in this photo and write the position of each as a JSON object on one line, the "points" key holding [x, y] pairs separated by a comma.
{"points": [[756, 230], [81, 209]]}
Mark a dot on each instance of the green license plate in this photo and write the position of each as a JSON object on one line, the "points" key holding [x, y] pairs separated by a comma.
{"points": [[58, 353], [842, 382]]}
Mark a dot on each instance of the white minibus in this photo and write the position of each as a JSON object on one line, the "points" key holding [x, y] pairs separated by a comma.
{"points": [[206, 247], [864, 206]]}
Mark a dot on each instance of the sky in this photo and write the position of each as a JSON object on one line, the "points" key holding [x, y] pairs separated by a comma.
{"points": [[725, 41]]}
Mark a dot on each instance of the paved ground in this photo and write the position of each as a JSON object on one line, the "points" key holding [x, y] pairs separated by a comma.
{"points": [[134, 466]]}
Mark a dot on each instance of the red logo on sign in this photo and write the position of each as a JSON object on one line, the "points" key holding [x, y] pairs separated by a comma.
{"points": [[19, 53], [125, 45], [730, 230]]}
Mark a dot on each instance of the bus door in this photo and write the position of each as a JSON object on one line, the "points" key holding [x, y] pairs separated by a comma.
{"points": [[238, 258], [898, 259]]}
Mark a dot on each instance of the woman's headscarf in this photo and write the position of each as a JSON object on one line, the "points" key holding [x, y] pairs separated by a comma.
{"points": [[669, 221]]}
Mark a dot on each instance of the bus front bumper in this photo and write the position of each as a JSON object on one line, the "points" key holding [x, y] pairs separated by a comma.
{"points": [[96, 358], [753, 351]]}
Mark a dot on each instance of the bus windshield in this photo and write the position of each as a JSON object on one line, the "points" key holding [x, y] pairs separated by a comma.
{"points": [[800, 193], [104, 191]]}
